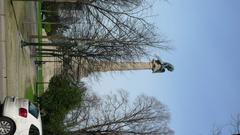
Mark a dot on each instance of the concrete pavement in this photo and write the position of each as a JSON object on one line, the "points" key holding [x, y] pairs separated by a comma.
{"points": [[17, 70], [2, 51]]}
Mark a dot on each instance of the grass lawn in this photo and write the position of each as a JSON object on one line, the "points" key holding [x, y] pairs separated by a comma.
{"points": [[39, 78], [39, 89], [29, 93]]}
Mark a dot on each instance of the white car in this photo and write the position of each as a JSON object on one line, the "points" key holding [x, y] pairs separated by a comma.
{"points": [[19, 116]]}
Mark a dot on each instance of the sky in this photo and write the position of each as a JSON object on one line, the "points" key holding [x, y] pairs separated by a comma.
{"points": [[204, 89]]}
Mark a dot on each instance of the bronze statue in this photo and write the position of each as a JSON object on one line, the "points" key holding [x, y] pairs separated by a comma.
{"points": [[158, 66]]}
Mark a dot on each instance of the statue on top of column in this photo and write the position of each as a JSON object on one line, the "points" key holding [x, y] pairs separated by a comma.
{"points": [[158, 66]]}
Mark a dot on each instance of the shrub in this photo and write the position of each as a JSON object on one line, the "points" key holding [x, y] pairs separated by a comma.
{"points": [[62, 96]]}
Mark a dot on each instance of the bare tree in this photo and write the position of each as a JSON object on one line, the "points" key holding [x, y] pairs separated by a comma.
{"points": [[103, 31], [235, 123], [114, 114], [110, 25], [216, 130]]}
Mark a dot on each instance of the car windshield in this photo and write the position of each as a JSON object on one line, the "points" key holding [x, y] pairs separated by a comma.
{"points": [[33, 110]]}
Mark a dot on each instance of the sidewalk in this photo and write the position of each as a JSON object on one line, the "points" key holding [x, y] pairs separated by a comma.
{"points": [[17, 70], [2, 51]]}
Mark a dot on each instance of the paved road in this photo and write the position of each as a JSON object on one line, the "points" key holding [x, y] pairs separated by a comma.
{"points": [[2, 51]]}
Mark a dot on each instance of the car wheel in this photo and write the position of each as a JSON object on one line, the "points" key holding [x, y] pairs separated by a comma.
{"points": [[7, 126]]}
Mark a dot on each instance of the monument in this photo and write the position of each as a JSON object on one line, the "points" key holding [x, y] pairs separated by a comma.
{"points": [[156, 66]]}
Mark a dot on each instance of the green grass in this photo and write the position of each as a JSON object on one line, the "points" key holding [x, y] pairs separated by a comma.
{"points": [[29, 93], [40, 87], [40, 79], [48, 28]]}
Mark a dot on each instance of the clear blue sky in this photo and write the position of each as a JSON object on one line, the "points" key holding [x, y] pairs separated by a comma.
{"points": [[205, 87]]}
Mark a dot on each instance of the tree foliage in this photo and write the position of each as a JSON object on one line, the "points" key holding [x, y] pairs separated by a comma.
{"points": [[61, 97]]}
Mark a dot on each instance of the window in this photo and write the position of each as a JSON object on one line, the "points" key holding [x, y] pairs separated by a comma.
{"points": [[33, 110]]}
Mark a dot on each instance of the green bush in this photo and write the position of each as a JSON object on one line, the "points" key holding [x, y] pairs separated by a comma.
{"points": [[61, 97]]}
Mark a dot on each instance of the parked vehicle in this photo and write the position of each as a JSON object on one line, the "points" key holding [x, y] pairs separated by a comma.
{"points": [[19, 116]]}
